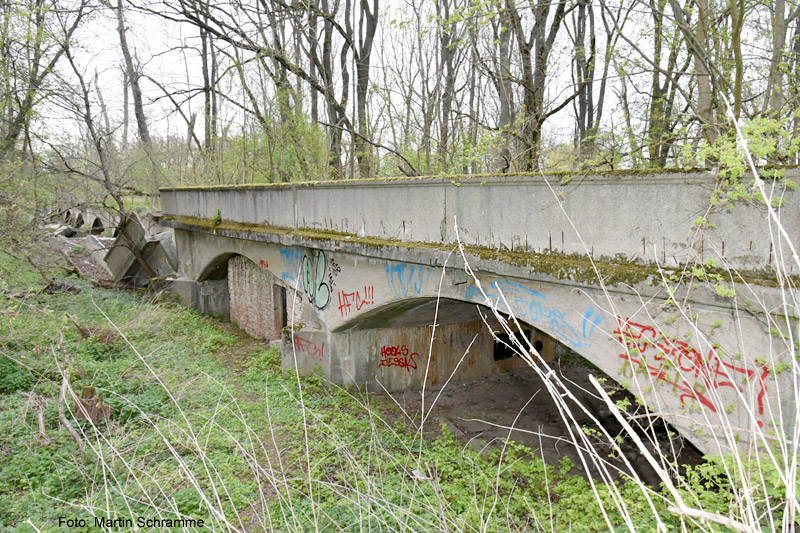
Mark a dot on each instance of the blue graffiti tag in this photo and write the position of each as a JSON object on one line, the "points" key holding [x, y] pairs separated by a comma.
{"points": [[592, 322], [292, 260], [532, 307], [406, 280]]}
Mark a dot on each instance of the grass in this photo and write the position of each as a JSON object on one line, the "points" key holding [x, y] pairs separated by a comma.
{"points": [[205, 425]]}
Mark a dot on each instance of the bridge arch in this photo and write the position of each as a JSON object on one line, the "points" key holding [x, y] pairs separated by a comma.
{"points": [[217, 268], [373, 309], [254, 298], [97, 227], [395, 339], [365, 321]]}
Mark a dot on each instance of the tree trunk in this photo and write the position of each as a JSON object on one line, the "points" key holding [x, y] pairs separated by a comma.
{"points": [[776, 95], [704, 111], [368, 24], [133, 77]]}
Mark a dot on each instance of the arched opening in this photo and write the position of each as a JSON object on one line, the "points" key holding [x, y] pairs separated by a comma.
{"points": [[211, 294], [477, 385], [461, 348], [233, 286], [79, 220], [97, 227], [217, 268]]}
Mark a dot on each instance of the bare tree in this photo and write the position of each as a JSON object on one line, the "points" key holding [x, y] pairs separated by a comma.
{"points": [[133, 75], [535, 45], [29, 60]]}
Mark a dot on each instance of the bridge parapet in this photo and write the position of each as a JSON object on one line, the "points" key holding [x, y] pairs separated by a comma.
{"points": [[632, 217]]}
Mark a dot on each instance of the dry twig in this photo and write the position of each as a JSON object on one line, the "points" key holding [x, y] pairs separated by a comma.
{"points": [[62, 416], [37, 403]]}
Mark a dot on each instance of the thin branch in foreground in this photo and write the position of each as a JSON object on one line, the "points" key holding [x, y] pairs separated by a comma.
{"points": [[37, 403], [62, 416]]}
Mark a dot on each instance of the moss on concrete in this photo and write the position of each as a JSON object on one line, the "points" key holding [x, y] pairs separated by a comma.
{"points": [[443, 177], [456, 177], [574, 268]]}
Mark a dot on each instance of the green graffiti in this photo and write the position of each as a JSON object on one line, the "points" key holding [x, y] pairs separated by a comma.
{"points": [[319, 293]]}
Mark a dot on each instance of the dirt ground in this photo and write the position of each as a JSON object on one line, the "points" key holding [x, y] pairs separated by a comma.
{"points": [[482, 412], [78, 250]]}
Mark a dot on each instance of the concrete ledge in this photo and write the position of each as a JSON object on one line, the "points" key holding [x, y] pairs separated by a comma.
{"points": [[572, 270]]}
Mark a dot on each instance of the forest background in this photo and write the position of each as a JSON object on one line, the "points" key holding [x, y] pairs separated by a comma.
{"points": [[117, 98]]}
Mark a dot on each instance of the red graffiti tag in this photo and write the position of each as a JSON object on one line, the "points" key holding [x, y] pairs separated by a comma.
{"points": [[306, 346], [263, 264], [358, 299], [398, 356], [707, 373]]}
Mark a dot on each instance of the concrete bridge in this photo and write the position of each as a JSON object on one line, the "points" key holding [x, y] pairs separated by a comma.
{"points": [[92, 221], [353, 274]]}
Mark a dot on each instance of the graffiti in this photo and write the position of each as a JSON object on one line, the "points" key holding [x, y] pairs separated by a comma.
{"points": [[315, 282], [335, 268], [591, 319], [310, 348], [676, 363], [532, 307], [312, 273], [292, 259], [398, 356], [263, 264], [357, 300], [407, 280]]}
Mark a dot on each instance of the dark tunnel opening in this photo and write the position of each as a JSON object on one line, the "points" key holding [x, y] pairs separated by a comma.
{"points": [[480, 409]]}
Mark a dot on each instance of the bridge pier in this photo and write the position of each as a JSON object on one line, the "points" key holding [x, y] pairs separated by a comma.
{"points": [[210, 297]]}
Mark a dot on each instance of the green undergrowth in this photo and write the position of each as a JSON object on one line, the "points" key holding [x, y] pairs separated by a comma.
{"points": [[205, 425]]}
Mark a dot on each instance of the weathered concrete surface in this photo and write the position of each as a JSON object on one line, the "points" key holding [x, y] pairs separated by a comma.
{"points": [[361, 308], [365, 320], [209, 296], [634, 216]]}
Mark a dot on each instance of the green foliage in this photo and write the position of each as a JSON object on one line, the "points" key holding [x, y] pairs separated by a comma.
{"points": [[197, 409], [465, 155], [722, 481], [25, 197], [724, 291], [216, 220], [262, 363], [769, 142], [288, 149], [14, 377]]}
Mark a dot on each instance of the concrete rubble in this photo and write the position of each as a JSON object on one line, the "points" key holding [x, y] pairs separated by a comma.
{"points": [[134, 244], [120, 258]]}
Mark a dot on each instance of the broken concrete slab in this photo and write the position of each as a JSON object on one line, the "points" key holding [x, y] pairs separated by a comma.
{"points": [[136, 257], [85, 253]]}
